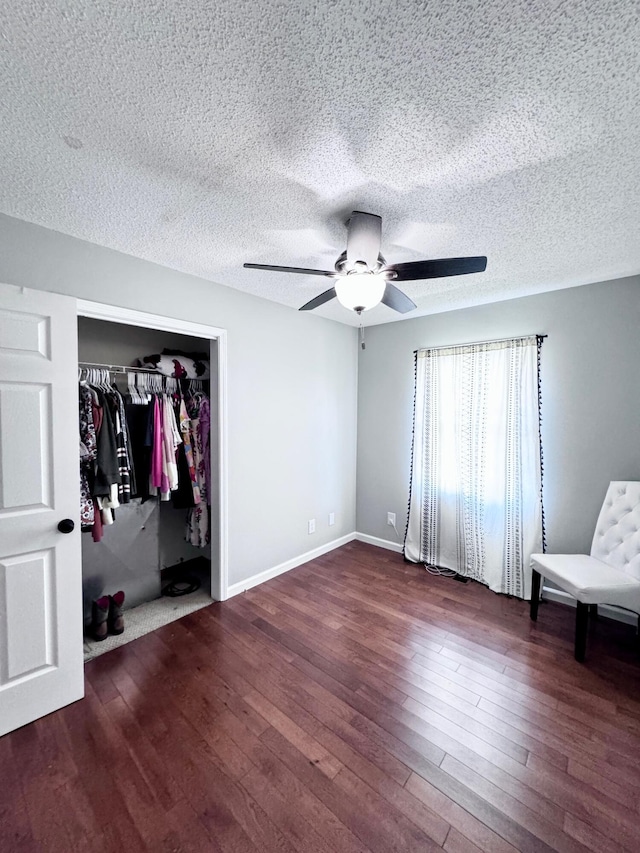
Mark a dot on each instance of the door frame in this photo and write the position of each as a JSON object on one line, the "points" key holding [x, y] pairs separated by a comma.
{"points": [[132, 317]]}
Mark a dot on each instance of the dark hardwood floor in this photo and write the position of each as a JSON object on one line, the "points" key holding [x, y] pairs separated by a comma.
{"points": [[353, 704]]}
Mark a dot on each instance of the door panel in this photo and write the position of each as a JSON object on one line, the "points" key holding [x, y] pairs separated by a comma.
{"points": [[25, 422], [27, 584], [26, 333], [41, 665]]}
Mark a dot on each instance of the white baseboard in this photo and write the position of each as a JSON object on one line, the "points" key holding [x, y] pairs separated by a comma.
{"points": [[559, 595], [261, 577], [548, 593], [380, 543]]}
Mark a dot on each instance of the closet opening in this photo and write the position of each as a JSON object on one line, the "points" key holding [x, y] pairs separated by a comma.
{"points": [[157, 537]]}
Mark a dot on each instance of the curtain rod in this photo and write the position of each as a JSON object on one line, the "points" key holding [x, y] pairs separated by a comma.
{"points": [[479, 343], [118, 368]]}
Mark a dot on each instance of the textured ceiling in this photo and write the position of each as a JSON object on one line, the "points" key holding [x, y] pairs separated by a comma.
{"points": [[201, 135]]}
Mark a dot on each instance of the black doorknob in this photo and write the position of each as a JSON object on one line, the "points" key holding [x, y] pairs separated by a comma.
{"points": [[66, 525]]}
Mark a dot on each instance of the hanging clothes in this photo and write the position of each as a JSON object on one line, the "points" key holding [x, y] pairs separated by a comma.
{"points": [[125, 468], [97, 414], [188, 441], [165, 442], [137, 417], [97, 529], [158, 482], [154, 443], [197, 532], [188, 492], [105, 480], [205, 430], [107, 473], [172, 440], [88, 454]]}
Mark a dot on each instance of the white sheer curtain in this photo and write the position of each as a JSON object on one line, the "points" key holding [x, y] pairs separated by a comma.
{"points": [[476, 481]]}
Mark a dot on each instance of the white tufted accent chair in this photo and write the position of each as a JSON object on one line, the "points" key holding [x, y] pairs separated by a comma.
{"points": [[611, 575]]}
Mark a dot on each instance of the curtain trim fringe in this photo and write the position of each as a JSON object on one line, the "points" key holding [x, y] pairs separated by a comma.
{"points": [[413, 439], [540, 339]]}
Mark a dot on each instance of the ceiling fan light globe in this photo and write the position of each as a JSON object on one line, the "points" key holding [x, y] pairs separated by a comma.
{"points": [[360, 291]]}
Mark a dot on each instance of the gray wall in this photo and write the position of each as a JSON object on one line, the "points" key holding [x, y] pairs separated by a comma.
{"points": [[292, 388], [590, 401]]}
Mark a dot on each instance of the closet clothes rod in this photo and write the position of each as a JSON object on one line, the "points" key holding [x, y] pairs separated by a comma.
{"points": [[119, 368]]}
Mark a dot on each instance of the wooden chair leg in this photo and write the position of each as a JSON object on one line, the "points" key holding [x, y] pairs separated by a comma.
{"points": [[582, 621], [535, 595]]}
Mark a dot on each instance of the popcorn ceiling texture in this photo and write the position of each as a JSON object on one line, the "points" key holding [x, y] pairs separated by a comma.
{"points": [[200, 135]]}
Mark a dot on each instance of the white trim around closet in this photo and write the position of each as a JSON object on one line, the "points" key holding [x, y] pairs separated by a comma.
{"points": [[129, 316]]}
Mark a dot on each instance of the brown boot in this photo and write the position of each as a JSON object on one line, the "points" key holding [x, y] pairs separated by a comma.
{"points": [[116, 619], [99, 617]]}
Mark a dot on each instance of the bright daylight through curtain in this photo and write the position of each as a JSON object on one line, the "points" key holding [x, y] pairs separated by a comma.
{"points": [[476, 480]]}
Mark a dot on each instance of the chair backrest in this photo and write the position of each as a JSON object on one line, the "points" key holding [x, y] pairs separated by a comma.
{"points": [[616, 540]]}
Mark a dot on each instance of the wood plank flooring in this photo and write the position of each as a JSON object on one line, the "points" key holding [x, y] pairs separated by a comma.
{"points": [[354, 704]]}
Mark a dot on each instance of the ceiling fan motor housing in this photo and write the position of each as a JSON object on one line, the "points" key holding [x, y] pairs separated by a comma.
{"points": [[343, 267]]}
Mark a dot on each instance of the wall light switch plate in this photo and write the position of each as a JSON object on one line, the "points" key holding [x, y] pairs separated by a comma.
{"points": [[332, 518], [312, 525]]}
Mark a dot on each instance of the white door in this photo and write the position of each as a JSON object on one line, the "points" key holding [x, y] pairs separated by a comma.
{"points": [[41, 667]]}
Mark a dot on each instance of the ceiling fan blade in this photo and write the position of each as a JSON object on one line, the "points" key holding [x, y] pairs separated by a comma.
{"points": [[397, 300], [301, 270], [441, 268], [319, 300], [363, 238]]}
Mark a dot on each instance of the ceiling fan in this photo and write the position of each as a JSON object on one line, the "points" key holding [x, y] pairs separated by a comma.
{"points": [[363, 278]]}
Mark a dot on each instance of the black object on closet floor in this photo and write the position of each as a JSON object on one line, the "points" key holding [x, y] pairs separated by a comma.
{"points": [[186, 577]]}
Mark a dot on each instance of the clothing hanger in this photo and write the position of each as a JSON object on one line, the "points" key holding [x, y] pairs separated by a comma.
{"points": [[140, 387], [148, 385], [133, 391], [195, 386]]}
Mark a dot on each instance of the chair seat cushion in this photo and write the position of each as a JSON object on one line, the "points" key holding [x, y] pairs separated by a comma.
{"points": [[589, 580]]}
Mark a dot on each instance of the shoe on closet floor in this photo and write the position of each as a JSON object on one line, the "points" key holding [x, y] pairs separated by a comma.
{"points": [[116, 619], [99, 618]]}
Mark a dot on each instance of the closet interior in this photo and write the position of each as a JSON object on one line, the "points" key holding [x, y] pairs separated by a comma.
{"points": [[148, 438]]}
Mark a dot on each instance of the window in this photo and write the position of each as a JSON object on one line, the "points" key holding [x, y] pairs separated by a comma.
{"points": [[476, 481]]}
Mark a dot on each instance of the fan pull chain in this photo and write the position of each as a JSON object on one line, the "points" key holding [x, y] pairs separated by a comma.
{"points": [[362, 336]]}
